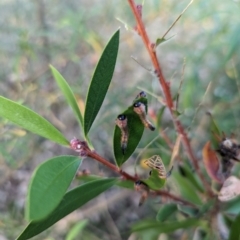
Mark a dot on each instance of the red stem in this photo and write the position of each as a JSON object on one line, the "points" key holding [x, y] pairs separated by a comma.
{"points": [[166, 91], [94, 155]]}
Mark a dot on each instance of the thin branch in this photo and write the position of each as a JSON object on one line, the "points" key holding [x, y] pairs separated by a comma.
{"points": [[177, 19], [152, 53], [166, 90], [97, 157], [82, 148]]}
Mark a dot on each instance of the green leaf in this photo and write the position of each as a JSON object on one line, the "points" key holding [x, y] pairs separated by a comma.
{"points": [[125, 184], [100, 82], [206, 207], [214, 131], [166, 227], [191, 177], [186, 188], [166, 211], [48, 185], [121, 183], [30, 120], [68, 94], [70, 202], [160, 115], [162, 40], [233, 206], [154, 181], [76, 230], [188, 211], [135, 132], [235, 230]]}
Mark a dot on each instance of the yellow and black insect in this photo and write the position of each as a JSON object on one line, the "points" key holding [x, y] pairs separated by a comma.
{"points": [[139, 109], [121, 122], [155, 162]]}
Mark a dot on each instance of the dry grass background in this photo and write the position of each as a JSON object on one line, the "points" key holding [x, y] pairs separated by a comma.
{"points": [[71, 35]]}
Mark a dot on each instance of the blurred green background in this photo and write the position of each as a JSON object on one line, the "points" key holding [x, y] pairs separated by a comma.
{"points": [[71, 36]]}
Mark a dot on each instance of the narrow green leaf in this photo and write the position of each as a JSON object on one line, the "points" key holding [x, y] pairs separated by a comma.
{"points": [[48, 185], [154, 181], [206, 207], [121, 183], [125, 184], [192, 178], [70, 202], [187, 190], [235, 230], [162, 40], [233, 206], [160, 115], [135, 132], [30, 120], [165, 227], [215, 131], [188, 211], [100, 81], [76, 230], [68, 94], [166, 211]]}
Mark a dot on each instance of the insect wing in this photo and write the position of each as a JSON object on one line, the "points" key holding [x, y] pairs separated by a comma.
{"points": [[155, 162]]}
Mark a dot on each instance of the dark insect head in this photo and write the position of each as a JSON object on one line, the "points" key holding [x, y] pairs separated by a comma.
{"points": [[138, 182], [142, 94], [137, 104], [121, 117]]}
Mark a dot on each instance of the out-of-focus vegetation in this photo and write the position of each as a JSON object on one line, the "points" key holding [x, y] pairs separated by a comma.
{"points": [[71, 35]]}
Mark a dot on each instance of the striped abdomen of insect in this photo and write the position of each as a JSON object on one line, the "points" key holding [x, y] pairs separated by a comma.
{"points": [[139, 109], [155, 162], [121, 122]]}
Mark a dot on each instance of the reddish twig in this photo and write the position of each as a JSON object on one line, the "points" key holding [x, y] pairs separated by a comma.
{"points": [[82, 148], [97, 157], [166, 90]]}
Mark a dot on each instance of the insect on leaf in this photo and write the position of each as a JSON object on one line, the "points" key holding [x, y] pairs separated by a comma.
{"points": [[129, 128], [100, 82], [135, 132], [158, 175], [28, 119]]}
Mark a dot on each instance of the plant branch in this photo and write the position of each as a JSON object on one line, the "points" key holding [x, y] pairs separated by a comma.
{"points": [[102, 160], [82, 148], [166, 90]]}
